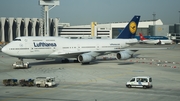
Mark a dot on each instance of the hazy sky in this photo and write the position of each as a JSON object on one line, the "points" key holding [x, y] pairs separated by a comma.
{"points": [[78, 12]]}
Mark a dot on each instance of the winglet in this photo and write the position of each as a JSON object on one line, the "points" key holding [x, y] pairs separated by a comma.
{"points": [[130, 30]]}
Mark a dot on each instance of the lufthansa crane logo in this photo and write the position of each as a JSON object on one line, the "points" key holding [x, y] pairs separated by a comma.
{"points": [[132, 27]]}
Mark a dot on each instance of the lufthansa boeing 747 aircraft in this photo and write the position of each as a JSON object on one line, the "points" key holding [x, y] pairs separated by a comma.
{"points": [[84, 50]]}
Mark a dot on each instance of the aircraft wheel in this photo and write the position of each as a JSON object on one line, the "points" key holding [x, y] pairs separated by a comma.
{"points": [[65, 61], [144, 87]]}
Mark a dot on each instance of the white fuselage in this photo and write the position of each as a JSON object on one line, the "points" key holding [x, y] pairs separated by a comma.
{"points": [[166, 41], [53, 47], [147, 41]]}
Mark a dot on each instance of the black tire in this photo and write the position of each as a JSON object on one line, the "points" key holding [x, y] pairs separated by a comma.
{"points": [[38, 85], [151, 87], [76, 61], [46, 86], [65, 61], [144, 87], [129, 86]]}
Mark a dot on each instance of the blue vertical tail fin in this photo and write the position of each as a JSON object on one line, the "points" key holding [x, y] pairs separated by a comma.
{"points": [[130, 30]]}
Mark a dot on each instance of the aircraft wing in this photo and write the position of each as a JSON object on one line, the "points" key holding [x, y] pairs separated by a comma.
{"points": [[146, 48], [75, 54], [132, 43], [68, 54]]}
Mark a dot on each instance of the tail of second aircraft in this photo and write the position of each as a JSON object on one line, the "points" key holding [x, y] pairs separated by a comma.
{"points": [[141, 37], [130, 30]]}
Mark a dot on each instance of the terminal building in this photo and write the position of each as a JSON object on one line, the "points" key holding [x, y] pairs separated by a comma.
{"points": [[108, 30], [10, 28]]}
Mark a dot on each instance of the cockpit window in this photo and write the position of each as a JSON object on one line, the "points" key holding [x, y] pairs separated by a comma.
{"points": [[17, 40]]}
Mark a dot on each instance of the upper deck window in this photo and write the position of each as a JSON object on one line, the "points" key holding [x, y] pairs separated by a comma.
{"points": [[17, 40]]}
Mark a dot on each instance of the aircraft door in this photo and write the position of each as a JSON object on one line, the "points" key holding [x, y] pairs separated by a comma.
{"points": [[20, 46], [78, 47], [133, 81], [137, 83], [97, 46], [53, 49], [28, 45], [31, 49]]}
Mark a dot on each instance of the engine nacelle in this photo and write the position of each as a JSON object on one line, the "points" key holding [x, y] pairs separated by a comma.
{"points": [[84, 58], [123, 55]]}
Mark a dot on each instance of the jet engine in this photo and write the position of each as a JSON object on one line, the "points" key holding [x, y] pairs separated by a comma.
{"points": [[124, 55], [85, 58]]}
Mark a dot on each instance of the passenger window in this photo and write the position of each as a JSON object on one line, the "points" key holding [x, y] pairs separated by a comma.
{"points": [[144, 80], [132, 80], [150, 79], [138, 80]]}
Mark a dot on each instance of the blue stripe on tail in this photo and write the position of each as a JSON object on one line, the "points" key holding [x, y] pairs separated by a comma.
{"points": [[130, 30]]}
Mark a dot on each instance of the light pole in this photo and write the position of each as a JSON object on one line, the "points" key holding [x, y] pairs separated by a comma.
{"points": [[154, 18], [179, 16]]}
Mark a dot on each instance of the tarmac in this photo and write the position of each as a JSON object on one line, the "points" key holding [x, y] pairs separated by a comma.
{"points": [[102, 80]]}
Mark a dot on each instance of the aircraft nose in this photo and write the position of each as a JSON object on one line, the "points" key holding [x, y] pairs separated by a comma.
{"points": [[4, 49]]}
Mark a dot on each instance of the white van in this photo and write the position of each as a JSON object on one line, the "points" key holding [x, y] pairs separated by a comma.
{"points": [[140, 81]]}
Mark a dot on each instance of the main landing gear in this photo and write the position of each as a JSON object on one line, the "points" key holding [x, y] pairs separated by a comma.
{"points": [[65, 61], [20, 64]]}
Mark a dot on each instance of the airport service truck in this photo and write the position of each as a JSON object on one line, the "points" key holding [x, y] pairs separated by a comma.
{"points": [[20, 65], [45, 81], [10, 82], [29, 82]]}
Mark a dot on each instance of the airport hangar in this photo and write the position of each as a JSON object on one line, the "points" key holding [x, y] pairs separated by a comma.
{"points": [[10, 28]]}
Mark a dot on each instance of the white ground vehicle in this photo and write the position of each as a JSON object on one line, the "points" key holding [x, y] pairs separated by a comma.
{"points": [[45, 81], [20, 64], [140, 81]]}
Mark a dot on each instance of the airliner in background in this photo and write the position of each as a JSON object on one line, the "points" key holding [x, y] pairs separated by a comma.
{"points": [[153, 41], [84, 50]]}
